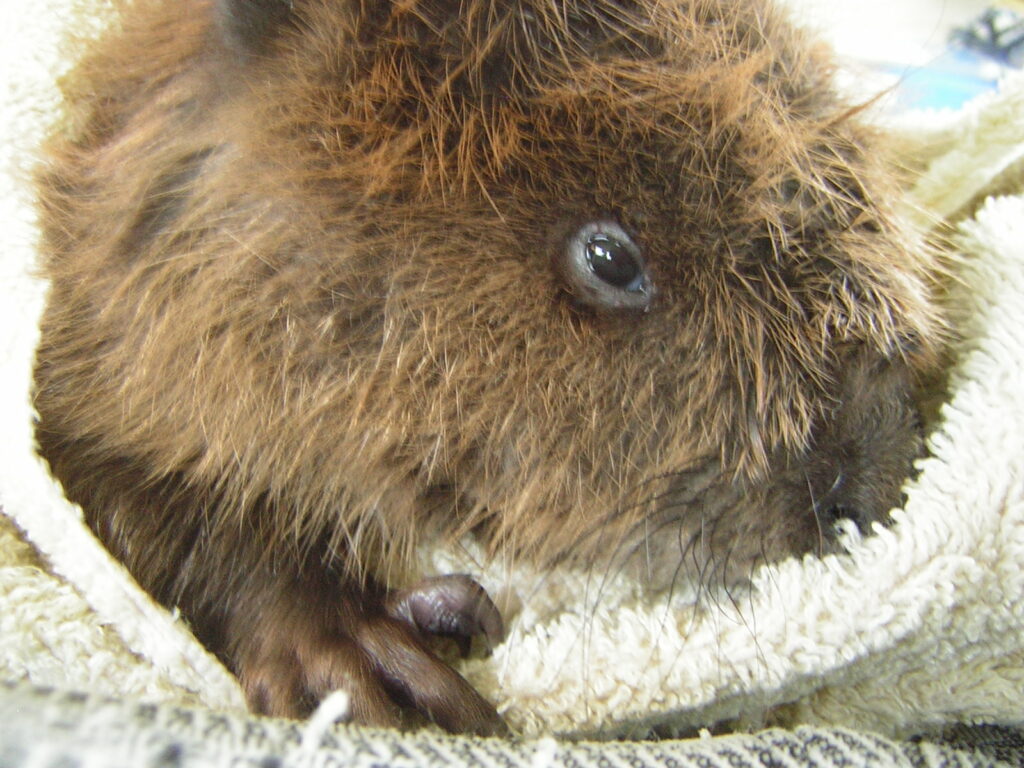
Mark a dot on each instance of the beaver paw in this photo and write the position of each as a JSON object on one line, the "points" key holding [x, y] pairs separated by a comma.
{"points": [[376, 651]]}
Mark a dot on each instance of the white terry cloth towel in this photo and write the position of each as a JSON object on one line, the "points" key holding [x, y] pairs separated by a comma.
{"points": [[918, 626]]}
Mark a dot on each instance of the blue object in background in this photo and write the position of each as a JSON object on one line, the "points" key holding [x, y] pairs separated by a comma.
{"points": [[976, 56], [950, 81]]}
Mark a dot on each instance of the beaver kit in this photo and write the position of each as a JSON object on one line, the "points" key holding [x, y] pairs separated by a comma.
{"points": [[593, 281]]}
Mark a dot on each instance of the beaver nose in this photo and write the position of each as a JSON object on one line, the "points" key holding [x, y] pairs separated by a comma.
{"points": [[855, 499], [864, 451]]}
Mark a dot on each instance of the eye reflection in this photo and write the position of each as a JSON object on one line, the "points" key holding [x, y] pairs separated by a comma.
{"points": [[612, 261]]}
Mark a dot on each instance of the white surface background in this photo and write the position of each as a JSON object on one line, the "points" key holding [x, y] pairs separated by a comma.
{"points": [[907, 31]]}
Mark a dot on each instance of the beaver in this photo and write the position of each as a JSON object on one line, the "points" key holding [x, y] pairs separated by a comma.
{"points": [[334, 279]]}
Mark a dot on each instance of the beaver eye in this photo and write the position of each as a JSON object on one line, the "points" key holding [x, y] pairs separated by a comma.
{"points": [[612, 261], [605, 269]]}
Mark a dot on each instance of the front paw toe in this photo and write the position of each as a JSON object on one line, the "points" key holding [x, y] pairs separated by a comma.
{"points": [[454, 606]]}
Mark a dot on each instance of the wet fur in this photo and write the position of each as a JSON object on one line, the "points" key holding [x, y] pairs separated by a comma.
{"points": [[304, 316]]}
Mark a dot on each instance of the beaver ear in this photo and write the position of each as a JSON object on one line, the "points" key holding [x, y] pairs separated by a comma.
{"points": [[249, 25]]}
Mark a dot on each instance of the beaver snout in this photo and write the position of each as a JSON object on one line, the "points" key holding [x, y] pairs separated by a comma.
{"points": [[718, 527], [864, 453], [850, 499]]}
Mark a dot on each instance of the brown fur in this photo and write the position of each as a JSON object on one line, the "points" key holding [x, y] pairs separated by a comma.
{"points": [[304, 313]]}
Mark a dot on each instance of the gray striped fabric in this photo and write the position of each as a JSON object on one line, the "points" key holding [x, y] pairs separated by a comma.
{"points": [[42, 728]]}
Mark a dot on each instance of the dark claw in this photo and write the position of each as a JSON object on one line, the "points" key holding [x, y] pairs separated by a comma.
{"points": [[453, 606]]}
